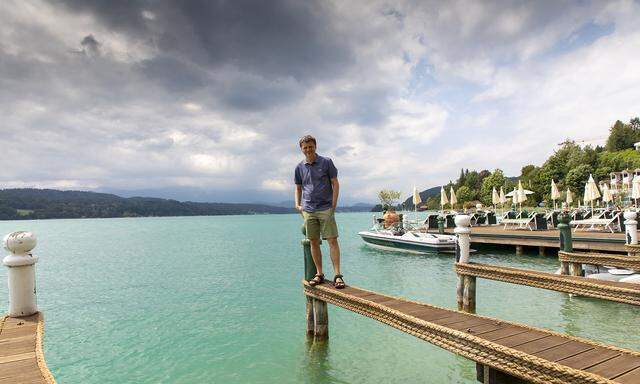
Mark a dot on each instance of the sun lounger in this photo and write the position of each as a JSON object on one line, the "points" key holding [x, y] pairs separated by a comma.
{"points": [[604, 224]]}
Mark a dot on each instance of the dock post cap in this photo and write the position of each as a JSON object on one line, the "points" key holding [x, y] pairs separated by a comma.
{"points": [[630, 215], [19, 244], [462, 221]]}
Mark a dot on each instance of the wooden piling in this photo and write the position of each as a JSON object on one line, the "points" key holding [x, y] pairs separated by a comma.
{"points": [[519, 250], [469, 294], [317, 316], [460, 292], [575, 269], [564, 268], [320, 320], [541, 251]]}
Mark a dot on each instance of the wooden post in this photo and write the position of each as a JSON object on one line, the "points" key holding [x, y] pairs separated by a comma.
{"points": [[466, 286], [317, 315], [469, 295], [566, 243], [320, 320], [575, 269], [541, 251], [460, 292], [519, 250]]}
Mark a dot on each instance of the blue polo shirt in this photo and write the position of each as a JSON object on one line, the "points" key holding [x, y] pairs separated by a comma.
{"points": [[315, 178]]}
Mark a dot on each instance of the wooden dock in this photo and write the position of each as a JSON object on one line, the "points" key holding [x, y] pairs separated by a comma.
{"points": [[528, 353], [583, 240], [21, 355]]}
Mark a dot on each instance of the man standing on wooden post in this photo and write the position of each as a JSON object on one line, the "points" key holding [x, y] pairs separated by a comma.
{"points": [[316, 197]]}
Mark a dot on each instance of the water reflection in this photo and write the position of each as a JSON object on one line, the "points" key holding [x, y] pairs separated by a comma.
{"points": [[316, 367]]}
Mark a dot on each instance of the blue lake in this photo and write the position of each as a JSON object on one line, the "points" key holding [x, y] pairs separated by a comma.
{"points": [[219, 300]]}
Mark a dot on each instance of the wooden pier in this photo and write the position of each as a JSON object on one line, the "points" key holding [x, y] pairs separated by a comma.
{"points": [[583, 240], [532, 354], [21, 355]]}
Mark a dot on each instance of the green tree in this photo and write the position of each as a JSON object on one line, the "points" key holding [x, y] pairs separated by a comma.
{"points": [[389, 197], [494, 180], [465, 194], [621, 136], [577, 178]]}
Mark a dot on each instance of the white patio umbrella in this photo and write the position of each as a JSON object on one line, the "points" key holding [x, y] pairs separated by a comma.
{"points": [[495, 198], [591, 192], [569, 199], [606, 194], [635, 190], [443, 199], [452, 200], [503, 198], [416, 200], [555, 194], [522, 196]]}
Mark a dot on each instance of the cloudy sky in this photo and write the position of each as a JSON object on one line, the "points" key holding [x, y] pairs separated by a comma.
{"points": [[213, 95]]}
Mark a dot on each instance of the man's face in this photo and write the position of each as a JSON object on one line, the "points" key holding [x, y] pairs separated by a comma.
{"points": [[308, 148]]}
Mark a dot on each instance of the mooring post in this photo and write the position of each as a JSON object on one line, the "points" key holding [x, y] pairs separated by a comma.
{"points": [[441, 225], [22, 273], [631, 227], [565, 239], [317, 315], [541, 251], [466, 285], [519, 250]]}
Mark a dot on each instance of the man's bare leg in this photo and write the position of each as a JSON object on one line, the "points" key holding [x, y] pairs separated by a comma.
{"points": [[316, 254], [334, 250]]}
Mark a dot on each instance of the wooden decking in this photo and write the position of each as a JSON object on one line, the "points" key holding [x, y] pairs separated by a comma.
{"points": [[532, 354], [583, 240], [21, 356]]}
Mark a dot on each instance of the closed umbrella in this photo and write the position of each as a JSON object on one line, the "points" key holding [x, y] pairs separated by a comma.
{"points": [[555, 194], [522, 197], [443, 198], [569, 197], [453, 200], [515, 196], [606, 194], [416, 200], [635, 190], [495, 198], [591, 192], [503, 198]]}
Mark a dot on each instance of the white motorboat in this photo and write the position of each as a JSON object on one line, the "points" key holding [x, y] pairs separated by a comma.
{"points": [[408, 241]]}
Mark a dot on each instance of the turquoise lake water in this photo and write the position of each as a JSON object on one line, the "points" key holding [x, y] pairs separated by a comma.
{"points": [[219, 300]]}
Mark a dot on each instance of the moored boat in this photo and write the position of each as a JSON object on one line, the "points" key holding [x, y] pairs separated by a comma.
{"points": [[408, 241]]}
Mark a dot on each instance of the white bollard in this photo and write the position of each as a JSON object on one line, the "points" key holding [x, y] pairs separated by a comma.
{"points": [[462, 230], [22, 273], [631, 227]]}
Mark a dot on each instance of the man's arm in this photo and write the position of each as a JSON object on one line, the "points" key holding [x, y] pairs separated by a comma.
{"points": [[297, 197], [335, 185]]}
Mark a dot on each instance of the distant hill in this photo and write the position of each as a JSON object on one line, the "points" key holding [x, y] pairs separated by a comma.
{"points": [[424, 195], [30, 203]]}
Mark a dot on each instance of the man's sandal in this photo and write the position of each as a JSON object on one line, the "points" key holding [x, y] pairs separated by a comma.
{"points": [[338, 284], [317, 279]]}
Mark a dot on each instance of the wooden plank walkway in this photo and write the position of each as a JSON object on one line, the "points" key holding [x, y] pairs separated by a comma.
{"points": [[533, 354], [584, 240], [628, 293], [21, 355]]}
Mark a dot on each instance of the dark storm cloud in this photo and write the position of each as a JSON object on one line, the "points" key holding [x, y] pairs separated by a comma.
{"points": [[91, 46], [275, 38]]}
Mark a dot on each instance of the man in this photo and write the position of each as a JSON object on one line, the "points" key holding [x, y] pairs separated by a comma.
{"points": [[316, 197]]}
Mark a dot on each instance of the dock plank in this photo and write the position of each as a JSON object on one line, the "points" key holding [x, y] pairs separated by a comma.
{"points": [[573, 353], [20, 351]]}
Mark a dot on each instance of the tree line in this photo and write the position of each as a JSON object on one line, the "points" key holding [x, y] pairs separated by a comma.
{"points": [[570, 167]]}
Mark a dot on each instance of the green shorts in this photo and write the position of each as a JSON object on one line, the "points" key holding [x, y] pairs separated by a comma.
{"points": [[320, 223]]}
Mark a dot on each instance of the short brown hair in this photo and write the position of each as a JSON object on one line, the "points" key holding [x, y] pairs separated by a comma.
{"points": [[307, 139]]}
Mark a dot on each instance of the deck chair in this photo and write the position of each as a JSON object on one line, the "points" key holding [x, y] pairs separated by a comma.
{"points": [[610, 224], [522, 223]]}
